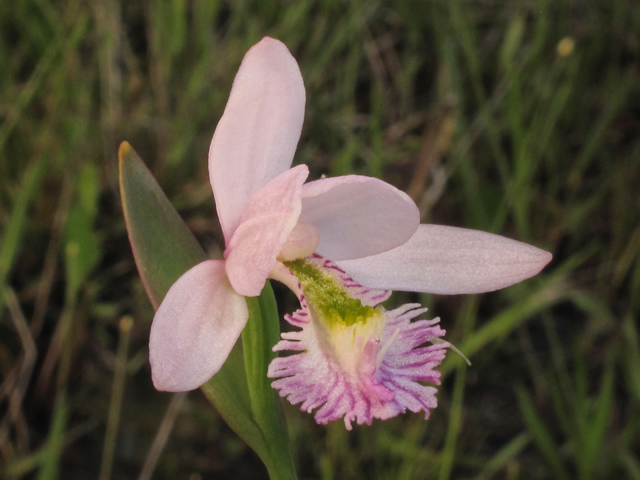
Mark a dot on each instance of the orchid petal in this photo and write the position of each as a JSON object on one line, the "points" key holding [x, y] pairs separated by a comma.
{"points": [[195, 328], [257, 135], [268, 219], [449, 260], [358, 216], [362, 370]]}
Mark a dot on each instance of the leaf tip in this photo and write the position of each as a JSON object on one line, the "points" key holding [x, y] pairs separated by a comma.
{"points": [[124, 150]]}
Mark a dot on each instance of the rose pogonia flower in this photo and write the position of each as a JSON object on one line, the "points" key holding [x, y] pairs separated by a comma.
{"points": [[332, 241], [263, 207]]}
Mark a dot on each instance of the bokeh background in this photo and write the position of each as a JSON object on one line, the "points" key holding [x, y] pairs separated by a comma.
{"points": [[517, 117]]}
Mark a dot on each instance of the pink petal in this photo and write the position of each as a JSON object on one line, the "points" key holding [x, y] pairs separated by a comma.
{"points": [[449, 260], [257, 135], [302, 242], [195, 328], [267, 221], [379, 379], [358, 216]]}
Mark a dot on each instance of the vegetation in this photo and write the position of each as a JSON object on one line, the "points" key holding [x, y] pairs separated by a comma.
{"points": [[520, 118]]}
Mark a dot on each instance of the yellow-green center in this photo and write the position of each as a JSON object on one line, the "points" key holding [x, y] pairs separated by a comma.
{"points": [[328, 297]]}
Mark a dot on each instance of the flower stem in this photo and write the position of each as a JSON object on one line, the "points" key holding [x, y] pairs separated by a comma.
{"points": [[258, 338]]}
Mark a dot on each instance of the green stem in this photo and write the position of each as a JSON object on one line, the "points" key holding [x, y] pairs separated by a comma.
{"points": [[258, 338]]}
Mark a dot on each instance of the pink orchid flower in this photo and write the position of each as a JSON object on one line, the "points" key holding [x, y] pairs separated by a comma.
{"points": [[334, 242]]}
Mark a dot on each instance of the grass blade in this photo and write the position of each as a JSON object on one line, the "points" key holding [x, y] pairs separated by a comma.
{"points": [[14, 228], [541, 435]]}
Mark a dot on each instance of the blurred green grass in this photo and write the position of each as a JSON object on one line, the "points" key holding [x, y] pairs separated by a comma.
{"points": [[520, 118]]}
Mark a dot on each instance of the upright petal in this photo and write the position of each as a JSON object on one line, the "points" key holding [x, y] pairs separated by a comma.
{"points": [[257, 135], [358, 216], [195, 328], [449, 260], [267, 221]]}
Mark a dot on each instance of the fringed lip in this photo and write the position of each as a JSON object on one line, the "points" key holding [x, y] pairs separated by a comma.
{"points": [[358, 372]]}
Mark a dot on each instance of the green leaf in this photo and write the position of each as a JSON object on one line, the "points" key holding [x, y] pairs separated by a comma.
{"points": [[55, 442], [82, 248], [164, 249], [258, 337], [82, 245], [597, 428], [89, 189], [507, 321], [505, 455], [512, 42], [10, 241], [541, 435]]}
